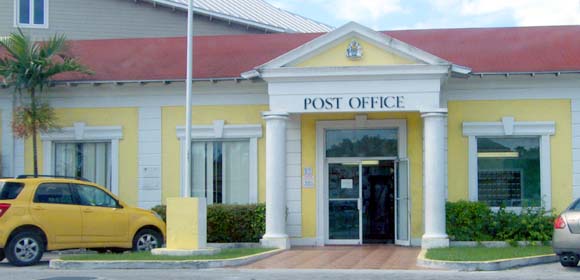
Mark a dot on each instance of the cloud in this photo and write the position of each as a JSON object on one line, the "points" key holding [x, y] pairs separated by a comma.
{"points": [[526, 12], [363, 10]]}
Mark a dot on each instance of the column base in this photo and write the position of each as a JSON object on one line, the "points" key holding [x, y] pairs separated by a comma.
{"points": [[275, 242], [430, 242]]}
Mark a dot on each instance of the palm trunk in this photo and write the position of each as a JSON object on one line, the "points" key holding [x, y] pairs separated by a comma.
{"points": [[34, 132], [34, 153]]}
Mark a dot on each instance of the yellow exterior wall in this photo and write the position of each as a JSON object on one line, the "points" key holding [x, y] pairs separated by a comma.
{"points": [[522, 110], [128, 146], [414, 153], [172, 117], [336, 56]]}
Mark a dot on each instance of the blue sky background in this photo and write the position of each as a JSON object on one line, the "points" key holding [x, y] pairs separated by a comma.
{"points": [[422, 14]]}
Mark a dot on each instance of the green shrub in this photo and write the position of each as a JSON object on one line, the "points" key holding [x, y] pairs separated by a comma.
{"points": [[474, 221], [161, 211], [468, 221], [232, 223]]}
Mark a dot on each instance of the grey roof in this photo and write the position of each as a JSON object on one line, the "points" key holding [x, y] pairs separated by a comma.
{"points": [[255, 13]]}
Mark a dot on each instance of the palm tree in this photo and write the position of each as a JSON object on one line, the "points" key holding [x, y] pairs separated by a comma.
{"points": [[28, 67]]}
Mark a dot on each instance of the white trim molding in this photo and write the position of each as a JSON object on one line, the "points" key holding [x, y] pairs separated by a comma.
{"points": [[80, 132], [509, 127], [221, 131]]}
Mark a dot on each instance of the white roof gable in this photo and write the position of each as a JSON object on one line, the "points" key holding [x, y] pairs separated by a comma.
{"points": [[353, 29]]}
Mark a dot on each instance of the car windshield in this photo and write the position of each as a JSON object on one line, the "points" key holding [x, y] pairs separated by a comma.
{"points": [[10, 190]]}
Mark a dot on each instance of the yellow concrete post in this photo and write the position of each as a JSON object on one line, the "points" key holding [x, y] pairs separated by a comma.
{"points": [[186, 228], [186, 223]]}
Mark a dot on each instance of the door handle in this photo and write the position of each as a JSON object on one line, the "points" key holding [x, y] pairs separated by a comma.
{"points": [[38, 208], [87, 211]]}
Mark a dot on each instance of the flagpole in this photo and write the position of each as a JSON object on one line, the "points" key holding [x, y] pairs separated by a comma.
{"points": [[186, 188]]}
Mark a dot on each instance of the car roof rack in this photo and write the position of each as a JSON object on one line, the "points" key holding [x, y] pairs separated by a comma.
{"points": [[25, 176]]}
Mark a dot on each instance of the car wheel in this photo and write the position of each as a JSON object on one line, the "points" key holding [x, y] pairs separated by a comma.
{"points": [[146, 240], [2, 256], [569, 260], [24, 249]]}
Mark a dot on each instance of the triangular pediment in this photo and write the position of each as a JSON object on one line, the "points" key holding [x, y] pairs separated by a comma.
{"points": [[370, 54], [330, 50]]}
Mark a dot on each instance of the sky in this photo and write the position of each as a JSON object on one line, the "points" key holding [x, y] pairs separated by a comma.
{"points": [[426, 14]]}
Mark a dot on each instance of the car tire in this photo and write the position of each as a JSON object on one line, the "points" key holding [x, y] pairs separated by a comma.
{"points": [[2, 256], [25, 249], [147, 239], [569, 260]]}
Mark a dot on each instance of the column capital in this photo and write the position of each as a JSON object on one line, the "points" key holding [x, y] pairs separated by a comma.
{"points": [[436, 112], [270, 115]]}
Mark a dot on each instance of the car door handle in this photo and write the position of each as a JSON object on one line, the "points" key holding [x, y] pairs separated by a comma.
{"points": [[38, 208], [87, 210]]}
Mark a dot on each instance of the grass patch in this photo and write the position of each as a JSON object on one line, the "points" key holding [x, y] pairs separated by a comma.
{"points": [[147, 256], [486, 254]]}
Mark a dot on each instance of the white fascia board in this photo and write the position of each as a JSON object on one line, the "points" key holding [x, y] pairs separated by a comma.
{"points": [[353, 29], [222, 16], [411, 71]]}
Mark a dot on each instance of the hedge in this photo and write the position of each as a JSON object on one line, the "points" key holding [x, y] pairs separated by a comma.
{"points": [[232, 223], [475, 221]]}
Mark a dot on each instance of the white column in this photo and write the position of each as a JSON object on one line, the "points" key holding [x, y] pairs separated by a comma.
{"points": [[276, 235], [434, 179]]}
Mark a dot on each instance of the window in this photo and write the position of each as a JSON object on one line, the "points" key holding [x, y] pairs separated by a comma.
{"points": [[220, 171], [31, 13], [53, 194], [91, 196], [509, 162], [361, 142], [224, 165], [10, 190], [87, 160], [508, 171]]}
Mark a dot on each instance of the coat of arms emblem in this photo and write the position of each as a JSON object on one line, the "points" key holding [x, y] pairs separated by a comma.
{"points": [[354, 50]]}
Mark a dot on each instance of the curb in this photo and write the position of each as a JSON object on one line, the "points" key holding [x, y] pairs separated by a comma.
{"points": [[196, 264], [485, 265]]}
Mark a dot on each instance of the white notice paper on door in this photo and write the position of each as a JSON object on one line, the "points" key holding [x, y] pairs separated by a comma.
{"points": [[346, 183]]}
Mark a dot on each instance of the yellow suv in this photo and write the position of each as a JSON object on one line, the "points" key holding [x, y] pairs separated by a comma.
{"points": [[48, 213]]}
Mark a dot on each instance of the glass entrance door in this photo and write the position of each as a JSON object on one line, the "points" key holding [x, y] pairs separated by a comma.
{"points": [[344, 203], [378, 199], [402, 204]]}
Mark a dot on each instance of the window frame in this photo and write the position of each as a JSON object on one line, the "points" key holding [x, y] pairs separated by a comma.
{"points": [[80, 132], [221, 132], [507, 128], [17, 22]]}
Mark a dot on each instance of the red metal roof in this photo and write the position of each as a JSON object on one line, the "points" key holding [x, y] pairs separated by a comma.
{"points": [[523, 49]]}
